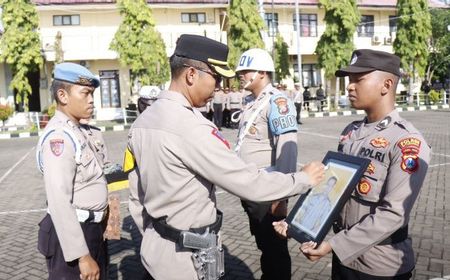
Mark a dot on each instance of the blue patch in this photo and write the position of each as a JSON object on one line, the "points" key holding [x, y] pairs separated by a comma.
{"points": [[282, 116]]}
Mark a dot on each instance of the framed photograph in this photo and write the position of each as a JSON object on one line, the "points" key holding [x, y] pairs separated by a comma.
{"points": [[314, 213]]}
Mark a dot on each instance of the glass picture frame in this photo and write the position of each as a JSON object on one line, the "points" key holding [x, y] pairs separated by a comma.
{"points": [[315, 211]]}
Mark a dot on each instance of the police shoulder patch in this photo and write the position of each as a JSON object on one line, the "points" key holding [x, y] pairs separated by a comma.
{"points": [[410, 148], [218, 135], [57, 146], [409, 144], [282, 115]]}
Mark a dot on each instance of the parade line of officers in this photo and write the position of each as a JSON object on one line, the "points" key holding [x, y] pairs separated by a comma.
{"points": [[175, 158]]}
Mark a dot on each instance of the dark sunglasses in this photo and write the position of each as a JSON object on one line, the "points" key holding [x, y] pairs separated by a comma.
{"points": [[216, 77]]}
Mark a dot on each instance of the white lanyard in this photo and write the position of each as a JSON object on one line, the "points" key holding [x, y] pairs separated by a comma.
{"points": [[250, 122]]}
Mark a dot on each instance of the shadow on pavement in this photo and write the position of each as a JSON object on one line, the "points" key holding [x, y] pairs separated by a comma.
{"points": [[235, 268]]}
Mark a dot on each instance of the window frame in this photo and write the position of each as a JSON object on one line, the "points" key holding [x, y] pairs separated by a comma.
{"points": [[307, 19], [191, 16], [272, 25], [368, 21], [66, 20]]}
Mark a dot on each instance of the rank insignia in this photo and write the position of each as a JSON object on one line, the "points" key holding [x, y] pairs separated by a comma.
{"points": [[409, 145], [364, 187], [282, 105], [217, 134], [410, 163], [371, 169], [57, 146], [384, 123], [379, 142]]}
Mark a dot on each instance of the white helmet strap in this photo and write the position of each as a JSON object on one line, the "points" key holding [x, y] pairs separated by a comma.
{"points": [[251, 80]]}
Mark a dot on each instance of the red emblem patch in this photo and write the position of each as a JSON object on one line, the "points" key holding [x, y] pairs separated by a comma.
{"points": [[282, 105], [217, 134], [370, 169], [364, 187], [410, 163], [57, 146], [379, 142], [409, 145]]}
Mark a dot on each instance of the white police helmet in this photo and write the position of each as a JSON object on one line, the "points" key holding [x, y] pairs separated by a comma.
{"points": [[256, 59], [149, 92]]}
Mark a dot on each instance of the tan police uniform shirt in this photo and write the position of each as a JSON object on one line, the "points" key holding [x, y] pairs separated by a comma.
{"points": [[382, 202], [180, 156], [219, 98], [234, 100], [73, 179], [260, 146]]}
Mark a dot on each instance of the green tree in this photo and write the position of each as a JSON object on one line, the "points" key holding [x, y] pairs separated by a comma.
{"points": [[245, 26], [59, 52], [20, 45], [411, 42], [281, 58], [439, 59], [336, 43], [139, 44]]}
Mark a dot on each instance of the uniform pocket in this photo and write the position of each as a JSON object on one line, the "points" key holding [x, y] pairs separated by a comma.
{"points": [[47, 239]]}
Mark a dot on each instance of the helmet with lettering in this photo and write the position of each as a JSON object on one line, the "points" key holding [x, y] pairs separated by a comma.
{"points": [[255, 59]]}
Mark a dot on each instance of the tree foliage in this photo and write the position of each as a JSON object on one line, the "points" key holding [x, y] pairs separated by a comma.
{"points": [[413, 33], [140, 45], [439, 59], [20, 45], [59, 52], [245, 26], [336, 43], [281, 58]]}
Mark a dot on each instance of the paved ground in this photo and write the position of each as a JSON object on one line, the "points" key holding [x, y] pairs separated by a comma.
{"points": [[22, 205]]}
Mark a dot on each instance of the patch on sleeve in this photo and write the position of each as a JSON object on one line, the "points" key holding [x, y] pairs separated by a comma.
{"points": [[410, 163], [409, 145], [282, 117], [364, 187], [217, 134], [410, 149], [379, 142], [57, 146]]}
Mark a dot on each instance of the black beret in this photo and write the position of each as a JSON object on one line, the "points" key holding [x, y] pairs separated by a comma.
{"points": [[366, 60]]}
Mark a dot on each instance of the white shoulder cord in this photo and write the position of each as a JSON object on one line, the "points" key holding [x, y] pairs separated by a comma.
{"points": [[250, 122]]}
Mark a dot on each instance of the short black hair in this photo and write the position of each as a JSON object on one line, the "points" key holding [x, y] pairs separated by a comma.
{"points": [[177, 63], [57, 85]]}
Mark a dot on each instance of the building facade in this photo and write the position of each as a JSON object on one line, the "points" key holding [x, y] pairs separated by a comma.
{"points": [[87, 28]]}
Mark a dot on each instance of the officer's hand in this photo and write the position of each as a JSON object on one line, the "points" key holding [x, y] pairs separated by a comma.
{"points": [[312, 253], [315, 171], [280, 228], [89, 269]]}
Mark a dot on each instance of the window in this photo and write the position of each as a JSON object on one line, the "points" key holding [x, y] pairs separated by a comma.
{"points": [[393, 24], [365, 27], [271, 23], [310, 75], [308, 24], [110, 89], [66, 20], [193, 17]]}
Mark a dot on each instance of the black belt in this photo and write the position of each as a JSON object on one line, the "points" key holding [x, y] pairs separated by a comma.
{"points": [[398, 236], [170, 233]]}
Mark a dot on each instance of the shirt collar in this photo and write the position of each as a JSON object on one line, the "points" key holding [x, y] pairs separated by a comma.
{"points": [[176, 97]]}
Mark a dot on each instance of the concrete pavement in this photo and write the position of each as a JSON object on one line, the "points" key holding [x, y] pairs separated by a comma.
{"points": [[22, 205]]}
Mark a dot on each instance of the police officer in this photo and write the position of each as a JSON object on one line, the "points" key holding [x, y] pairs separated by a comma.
{"points": [[176, 156], [235, 105], [298, 101], [268, 138], [371, 240], [71, 234]]}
